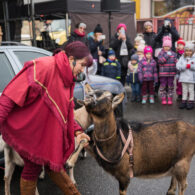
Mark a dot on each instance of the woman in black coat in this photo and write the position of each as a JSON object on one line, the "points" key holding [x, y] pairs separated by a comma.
{"points": [[122, 46], [78, 34], [149, 35], [96, 45]]}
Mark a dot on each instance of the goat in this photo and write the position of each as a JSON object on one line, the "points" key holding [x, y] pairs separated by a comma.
{"points": [[161, 148], [12, 158]]}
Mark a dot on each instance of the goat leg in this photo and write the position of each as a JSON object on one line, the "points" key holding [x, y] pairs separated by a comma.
{"points": [[74, 156]]}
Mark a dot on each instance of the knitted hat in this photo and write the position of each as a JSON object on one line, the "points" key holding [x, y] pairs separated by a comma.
{"points": [[135, 57], [189, 46], [138, 38], [167, 41], [181, 41], [82, 25], [148, 49], [140, 48], [120, 26], [111, 52], [148, 23], [78, 50], [98, 29]]}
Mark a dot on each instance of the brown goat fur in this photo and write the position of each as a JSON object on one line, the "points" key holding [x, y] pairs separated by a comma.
{"points": [[163, 148]]}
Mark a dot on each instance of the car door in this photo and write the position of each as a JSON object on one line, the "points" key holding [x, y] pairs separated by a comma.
{"points": [[8, 70]]}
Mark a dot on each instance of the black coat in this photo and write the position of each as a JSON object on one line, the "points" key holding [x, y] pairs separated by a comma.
{"points": [[149, 38], [93, 46], [166, 32], [74, 37], [115, 44]]}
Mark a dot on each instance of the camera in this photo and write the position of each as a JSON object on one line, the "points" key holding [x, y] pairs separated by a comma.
{"points": [[166, 23]]}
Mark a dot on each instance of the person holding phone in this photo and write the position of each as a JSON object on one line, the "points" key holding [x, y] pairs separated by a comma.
{"points": [[96, 46], [122, 46], [168, 29]]}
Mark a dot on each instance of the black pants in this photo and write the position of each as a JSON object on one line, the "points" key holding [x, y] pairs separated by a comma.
{"points": [[123, 60]]}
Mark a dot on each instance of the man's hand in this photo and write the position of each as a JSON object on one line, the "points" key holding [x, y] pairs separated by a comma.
{"points": [[81, 136]]}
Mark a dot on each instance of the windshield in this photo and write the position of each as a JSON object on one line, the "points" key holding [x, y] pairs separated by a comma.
{"points": [[58, 25]]}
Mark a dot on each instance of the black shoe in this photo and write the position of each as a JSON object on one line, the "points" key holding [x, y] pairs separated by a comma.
{"points": [[133, 98], [190, 106], [183, 105], [179, 97], [138, 99]]}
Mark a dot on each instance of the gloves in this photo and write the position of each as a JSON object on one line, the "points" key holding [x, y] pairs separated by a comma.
{"points": [[169, 53], [188, 66]]}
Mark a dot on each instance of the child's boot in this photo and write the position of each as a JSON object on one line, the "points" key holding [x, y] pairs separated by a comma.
{"points": [[133, 98], [183, 104], [151, 99], [190, 105], [144, 99], [138, 98], [164, 101], [170, 101]]}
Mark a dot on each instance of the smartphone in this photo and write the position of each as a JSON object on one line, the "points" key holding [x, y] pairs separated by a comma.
{"points": [[102, 37], [122, 31], [166, 23]]}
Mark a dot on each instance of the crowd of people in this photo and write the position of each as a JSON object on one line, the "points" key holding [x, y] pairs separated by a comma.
{"points": [[149, 65]]}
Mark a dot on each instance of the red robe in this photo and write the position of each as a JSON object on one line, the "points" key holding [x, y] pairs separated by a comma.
{"points": [[41, 125]]}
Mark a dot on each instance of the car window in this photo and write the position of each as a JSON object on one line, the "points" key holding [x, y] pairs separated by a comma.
{"points": [[6, 73], [24, 56]]}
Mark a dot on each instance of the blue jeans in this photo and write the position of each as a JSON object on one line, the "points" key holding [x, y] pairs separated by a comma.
{"points": [[135, 89]]}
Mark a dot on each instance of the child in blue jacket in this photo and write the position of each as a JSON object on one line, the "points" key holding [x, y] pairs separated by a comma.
{"points": [[132, 78], [111, 68]]}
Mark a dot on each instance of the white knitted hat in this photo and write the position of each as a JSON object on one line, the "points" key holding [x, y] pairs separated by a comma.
{"points": [[189, 46]]}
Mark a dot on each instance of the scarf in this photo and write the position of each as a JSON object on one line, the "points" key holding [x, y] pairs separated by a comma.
{"points": [[79, 33]]}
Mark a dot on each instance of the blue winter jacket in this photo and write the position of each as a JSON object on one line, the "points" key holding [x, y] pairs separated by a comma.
{"points": [[111, 69]]}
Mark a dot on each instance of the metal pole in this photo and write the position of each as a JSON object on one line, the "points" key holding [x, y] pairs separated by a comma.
{"points": [[6, 22], [109, 25], [33, 22], [67, 26]]}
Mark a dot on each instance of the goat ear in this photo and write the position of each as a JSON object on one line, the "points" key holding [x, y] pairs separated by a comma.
{"points": [[88, 88], [117, 100]]}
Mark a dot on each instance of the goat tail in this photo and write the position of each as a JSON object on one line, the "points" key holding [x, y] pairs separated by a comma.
{"points": [[2, 144]]}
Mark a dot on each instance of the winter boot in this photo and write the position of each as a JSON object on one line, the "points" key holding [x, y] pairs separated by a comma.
{"points": [[151, 99], [183, 104], [190, 105], [170, 101], [133, 98], [63, 181], [27, 187], [138, 98], [164, 101], [144, 99]]}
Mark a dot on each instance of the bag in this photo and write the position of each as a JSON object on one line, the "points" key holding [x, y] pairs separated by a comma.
{"points": [[101, 59]]}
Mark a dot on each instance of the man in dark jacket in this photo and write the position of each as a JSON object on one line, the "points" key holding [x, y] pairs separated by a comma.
{"points": [[168, 29], [121, 44]]}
